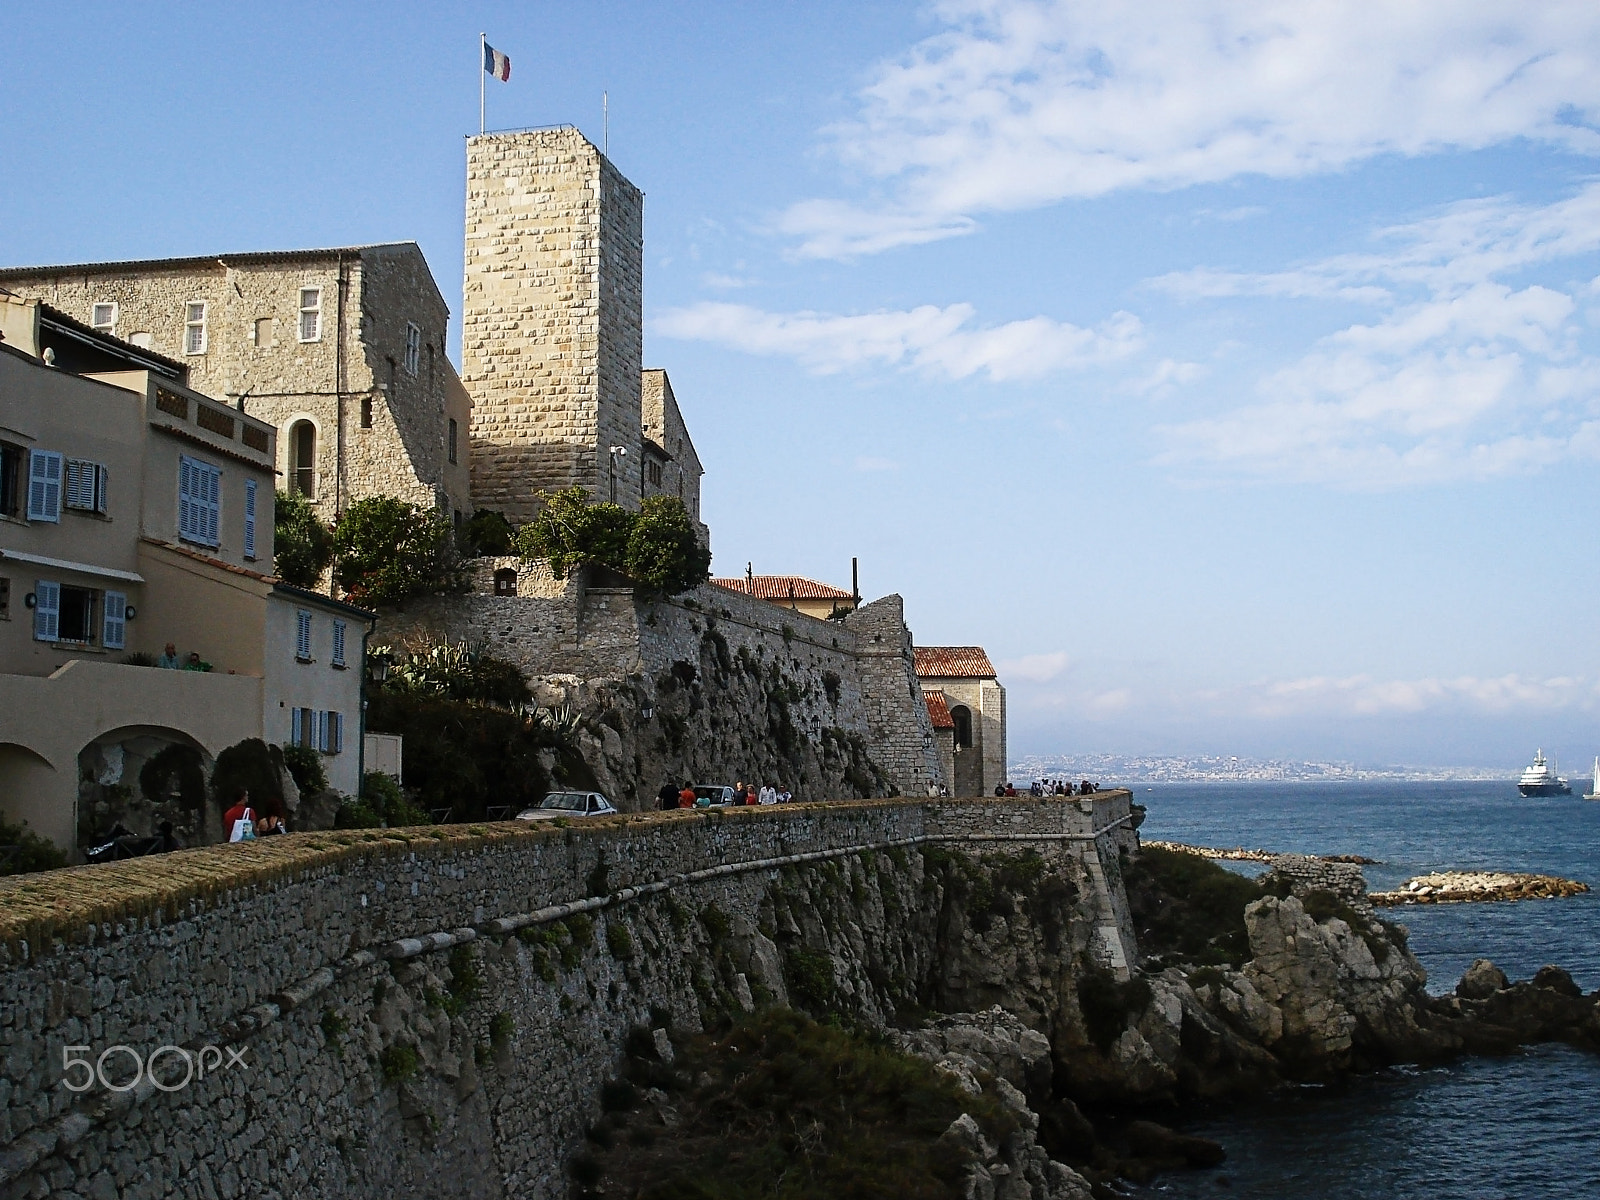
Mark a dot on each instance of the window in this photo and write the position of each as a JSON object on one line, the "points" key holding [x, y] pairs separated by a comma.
{"points": [[366, 411], [337, 658], [302, 635], [46, 610], [44, 485], [413, 348], [265, 333], [302, 727], [330, 732], [961, 715], [303, 459], [505, 582], [250, 518], [655, 472], [451, 447], [194, 328], [104, 318], [310, 314], [76, 615], [12, 470], [199, 501], [116, 619], [86, 485]]}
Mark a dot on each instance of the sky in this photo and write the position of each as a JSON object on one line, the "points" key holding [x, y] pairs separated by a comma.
{"points": [[1229, 371]]}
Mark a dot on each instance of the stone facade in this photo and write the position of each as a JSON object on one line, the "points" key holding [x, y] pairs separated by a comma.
{"points": [[324, 962], [670, 464], [974, 748], [552, 323], [378, 398]]}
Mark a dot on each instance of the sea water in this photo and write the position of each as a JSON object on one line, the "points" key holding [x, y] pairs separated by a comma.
{"points": [[1508, 1128]]}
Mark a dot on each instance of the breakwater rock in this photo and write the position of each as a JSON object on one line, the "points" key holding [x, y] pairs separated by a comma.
{"points": [[1458, 887]]}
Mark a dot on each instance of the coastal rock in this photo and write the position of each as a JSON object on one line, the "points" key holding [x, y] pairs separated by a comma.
{"points": [[1482, 980], [1167, 1149], [1460, 887]]}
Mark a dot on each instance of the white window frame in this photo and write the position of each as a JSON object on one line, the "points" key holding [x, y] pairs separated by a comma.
{"points": [[192, 323], [86, 485], [46, 471], [250, 519], [46, 610], [312, 310], [199, 502], [413, 348], [109, 326], [302, 635], [336, 659], [114, 620]]}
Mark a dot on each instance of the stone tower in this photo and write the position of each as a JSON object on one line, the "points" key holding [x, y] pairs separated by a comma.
{"points": [[552, 320]]}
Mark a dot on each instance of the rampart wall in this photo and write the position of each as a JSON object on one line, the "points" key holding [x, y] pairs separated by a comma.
{"points": [[432, 1012]]}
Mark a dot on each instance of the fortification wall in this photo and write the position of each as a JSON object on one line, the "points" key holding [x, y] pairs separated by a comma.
{"points": [[415, 1012]]}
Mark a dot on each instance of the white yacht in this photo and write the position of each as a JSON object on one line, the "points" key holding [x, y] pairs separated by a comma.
{"points": [[1540, 780], [1594, 788]]}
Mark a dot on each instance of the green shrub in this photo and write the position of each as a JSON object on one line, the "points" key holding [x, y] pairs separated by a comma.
{"points": [[1187, 906], [175, 763], [1108, 1005], [31, 853], [389, 551], [302, 546], [664, 555], [809, 976], [487, 532], [247, 764], [353, 814], [456, 671], [398, 1063], [501, 1028], [618, 940], [657, 548], [305, 768]]}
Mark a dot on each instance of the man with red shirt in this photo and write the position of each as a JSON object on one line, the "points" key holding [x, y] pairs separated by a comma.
{"points": [[241, 811]]}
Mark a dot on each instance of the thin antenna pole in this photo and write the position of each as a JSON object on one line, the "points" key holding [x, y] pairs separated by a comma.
{"points": [[483, 41], [605, 124]]}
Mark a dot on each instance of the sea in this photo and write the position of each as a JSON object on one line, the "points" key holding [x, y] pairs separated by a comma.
{"points": [[1510, 1128]]}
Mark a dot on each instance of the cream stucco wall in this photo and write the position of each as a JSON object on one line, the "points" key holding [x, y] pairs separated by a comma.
{"points": [[318, 684]]}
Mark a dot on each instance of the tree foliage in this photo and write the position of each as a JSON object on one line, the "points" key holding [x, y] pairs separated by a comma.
{"points": [[456, 671], [487, 532], [302, 545], [656, 547], [26, 850], [390, 551]]}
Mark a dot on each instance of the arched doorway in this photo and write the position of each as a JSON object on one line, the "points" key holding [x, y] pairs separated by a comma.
{"points": [[138, 777], [27, 782], [303, 459], [969, 754]]}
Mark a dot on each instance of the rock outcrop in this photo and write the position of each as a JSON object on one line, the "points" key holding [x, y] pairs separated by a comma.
{"points": [[1459, 887]]}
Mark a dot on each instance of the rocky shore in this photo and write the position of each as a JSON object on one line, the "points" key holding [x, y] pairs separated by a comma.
{"points": [[1459, 887], [1240, 854]]}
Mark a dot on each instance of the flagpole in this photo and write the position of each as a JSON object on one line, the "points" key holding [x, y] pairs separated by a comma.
{"points": [[483, 40]]}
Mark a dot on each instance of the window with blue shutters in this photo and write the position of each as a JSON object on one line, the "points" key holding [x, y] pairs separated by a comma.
{"points": [[250, 518], [302, 635], [199, 501], [338, 644], [335, 733], [116, 618], [46, 611], [45, 468], [86, 485]]}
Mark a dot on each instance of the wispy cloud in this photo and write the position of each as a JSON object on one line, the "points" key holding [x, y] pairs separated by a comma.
{"points": [[1036, 668], [939, 341], [870, 462], [1022, 103], [1459, 375]]}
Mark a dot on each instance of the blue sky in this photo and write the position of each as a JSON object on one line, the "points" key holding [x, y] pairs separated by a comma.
{"points": [[1230, 372]]}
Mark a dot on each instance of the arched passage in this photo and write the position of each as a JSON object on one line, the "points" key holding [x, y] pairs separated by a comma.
{"points": [[27, 783], [969, 762], [139, 776]]}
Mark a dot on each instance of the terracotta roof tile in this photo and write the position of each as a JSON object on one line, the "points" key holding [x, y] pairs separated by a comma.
{"points": [[954, 662], [938, 709], [784, 587]]}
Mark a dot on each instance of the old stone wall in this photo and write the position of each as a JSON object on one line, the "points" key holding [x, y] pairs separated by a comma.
{"points": [[551, 325], [415, 1013], [739, 689]]}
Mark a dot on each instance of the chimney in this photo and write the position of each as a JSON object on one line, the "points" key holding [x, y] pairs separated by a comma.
{"points": [[855, 580]]}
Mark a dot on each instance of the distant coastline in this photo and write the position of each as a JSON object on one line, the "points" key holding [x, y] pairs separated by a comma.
{"points": [[1156, 768]]}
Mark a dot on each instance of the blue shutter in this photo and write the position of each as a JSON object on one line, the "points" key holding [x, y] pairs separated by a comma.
{"points": [[115, 620], [44, 485], [338, 643], [321, 733], [249, 518], [294, 727], [302, 634], [213, 502], [46, 611], [199, 500]]}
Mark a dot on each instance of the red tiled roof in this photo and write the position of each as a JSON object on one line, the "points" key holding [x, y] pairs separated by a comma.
{"points": [[954, 662], [938, 709], [783, 587]]}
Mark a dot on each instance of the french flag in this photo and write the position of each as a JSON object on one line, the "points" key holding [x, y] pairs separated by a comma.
{"points": [[497, 64]]}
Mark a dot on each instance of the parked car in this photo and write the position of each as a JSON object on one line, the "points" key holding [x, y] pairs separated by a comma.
{"points": [[707, 795], [568, 804]]}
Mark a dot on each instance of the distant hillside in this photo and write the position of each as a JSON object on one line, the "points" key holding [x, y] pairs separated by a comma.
{"points": [[1163, 768]]}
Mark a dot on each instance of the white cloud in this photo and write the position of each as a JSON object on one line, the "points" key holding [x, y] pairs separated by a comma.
{"points": [[1036, 668], [931, 339], [1361, 695], [1458, 376], [1022, 103], [868, 462]]}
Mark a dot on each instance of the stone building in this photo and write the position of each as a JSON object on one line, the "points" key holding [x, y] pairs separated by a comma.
{"points": [[343, 350], [794, 592], [961, 687], [669, 464], [552, 321]]}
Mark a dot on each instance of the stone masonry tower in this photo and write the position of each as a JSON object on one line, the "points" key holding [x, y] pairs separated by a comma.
{"points": [[552, 319]]}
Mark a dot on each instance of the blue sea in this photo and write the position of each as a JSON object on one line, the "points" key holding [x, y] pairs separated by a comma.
{"points": [[1485, 1128]]}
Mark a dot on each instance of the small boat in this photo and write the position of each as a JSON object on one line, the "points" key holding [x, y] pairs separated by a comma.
{"points": [[1540, 780], [1594, 788]]}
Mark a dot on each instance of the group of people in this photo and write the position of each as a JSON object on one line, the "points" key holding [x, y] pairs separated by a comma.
{"points": [[170, 660], [243, 823], [671, 796], [1049, 787]]}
